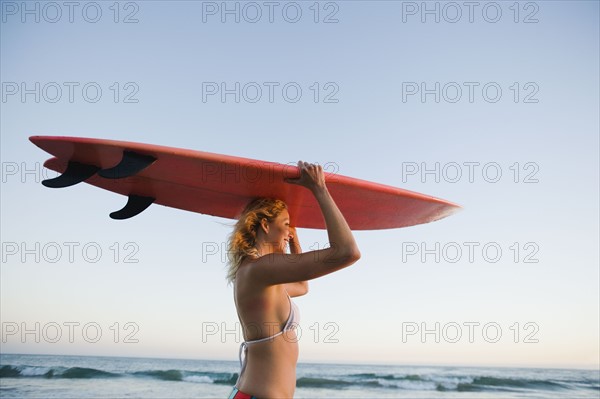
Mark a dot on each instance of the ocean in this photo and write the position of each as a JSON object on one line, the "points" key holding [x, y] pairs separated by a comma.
{"points": [[49, 376]]}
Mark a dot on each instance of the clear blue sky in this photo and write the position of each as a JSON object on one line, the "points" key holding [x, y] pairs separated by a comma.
{"points": [[517, 90]]}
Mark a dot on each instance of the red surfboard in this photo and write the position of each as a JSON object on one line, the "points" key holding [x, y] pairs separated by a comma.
{"points": [[222, 185]]}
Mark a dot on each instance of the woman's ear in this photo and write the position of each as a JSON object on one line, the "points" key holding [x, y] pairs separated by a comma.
{"points": [[265, 225]]}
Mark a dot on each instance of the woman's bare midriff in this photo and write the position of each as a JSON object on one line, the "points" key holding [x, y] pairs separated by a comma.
{"points": [[271, 368]]}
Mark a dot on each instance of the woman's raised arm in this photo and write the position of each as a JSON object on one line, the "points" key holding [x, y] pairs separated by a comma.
{"points": [[281, 268]]}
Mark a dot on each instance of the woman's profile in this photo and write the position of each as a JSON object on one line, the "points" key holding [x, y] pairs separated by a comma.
{"points": [[265, 278]]}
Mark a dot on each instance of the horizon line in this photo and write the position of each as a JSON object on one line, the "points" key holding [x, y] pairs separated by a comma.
{"points": [[341, 363]]}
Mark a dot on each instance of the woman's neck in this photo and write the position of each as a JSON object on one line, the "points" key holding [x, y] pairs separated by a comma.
{"points": [[265, 248]]}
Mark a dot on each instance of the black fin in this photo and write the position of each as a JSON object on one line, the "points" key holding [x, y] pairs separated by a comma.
{"points": [[130, 164], [135, 205], [76, 172]]}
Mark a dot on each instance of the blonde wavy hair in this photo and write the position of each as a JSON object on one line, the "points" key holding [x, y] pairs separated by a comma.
{"points": [[242, 241]]}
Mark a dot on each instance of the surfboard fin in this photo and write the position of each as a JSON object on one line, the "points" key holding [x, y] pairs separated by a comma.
{"points": [[130, 164], [76, 172], [136, 204]]}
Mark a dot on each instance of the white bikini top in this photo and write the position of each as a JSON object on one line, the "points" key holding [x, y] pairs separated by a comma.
{"points": [[290, 324]]}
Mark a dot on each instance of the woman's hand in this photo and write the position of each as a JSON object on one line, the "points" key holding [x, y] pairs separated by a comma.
{"points": [[311, 176], [292, 233], [294, 242]]}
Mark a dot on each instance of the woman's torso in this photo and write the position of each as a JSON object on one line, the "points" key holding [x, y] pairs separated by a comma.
{"points": [[270, 370]]}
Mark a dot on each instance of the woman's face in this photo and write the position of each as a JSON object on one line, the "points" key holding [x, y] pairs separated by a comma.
{"points": [[279, 231]]}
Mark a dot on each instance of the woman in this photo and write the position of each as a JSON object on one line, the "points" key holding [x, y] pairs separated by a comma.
{"points": [[265, 278]]}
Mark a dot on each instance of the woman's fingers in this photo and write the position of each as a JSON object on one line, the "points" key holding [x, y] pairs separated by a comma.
{"points": [[310, 175], [295, 180]]}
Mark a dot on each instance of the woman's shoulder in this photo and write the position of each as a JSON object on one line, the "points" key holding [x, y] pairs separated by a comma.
{"points": [[245, 267]]}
